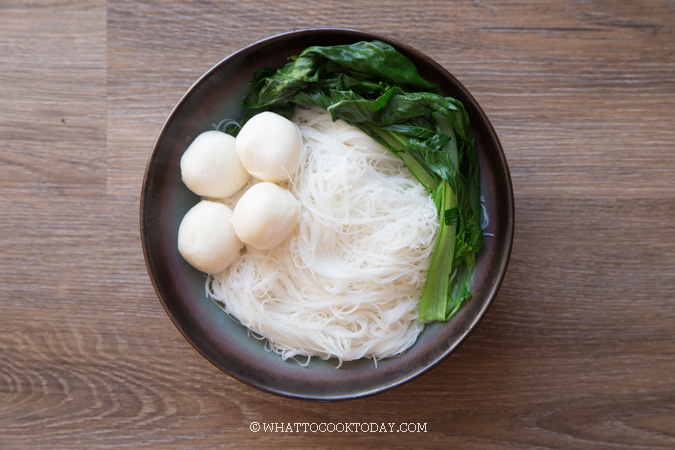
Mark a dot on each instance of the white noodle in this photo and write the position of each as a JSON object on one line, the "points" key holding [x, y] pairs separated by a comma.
{"points": [[346, 284]]}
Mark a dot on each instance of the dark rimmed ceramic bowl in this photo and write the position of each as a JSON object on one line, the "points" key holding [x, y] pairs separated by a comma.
{"points": [[165, 200]]}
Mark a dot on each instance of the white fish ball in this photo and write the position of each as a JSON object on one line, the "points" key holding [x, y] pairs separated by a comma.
{"points": [[210, 166], [206, 238], [268, 146], [265, 215]]}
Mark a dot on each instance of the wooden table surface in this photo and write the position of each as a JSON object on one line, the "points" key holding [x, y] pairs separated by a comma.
{"points": [[578, 349]]}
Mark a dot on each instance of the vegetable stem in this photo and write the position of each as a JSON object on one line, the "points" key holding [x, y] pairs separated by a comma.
{"points": [[436, 290], [397, 143]]}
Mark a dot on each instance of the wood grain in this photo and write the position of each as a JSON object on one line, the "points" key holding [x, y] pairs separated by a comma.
{"points": [[578, 350]]}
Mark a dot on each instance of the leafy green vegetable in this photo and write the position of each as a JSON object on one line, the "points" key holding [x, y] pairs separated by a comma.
{"points": [[377, 89]]}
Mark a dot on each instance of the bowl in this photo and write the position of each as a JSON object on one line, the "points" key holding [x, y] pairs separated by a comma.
{"points": [[181, 289]]}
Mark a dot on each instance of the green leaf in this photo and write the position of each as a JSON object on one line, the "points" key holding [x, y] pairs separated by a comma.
{"points": [[375, 60]]}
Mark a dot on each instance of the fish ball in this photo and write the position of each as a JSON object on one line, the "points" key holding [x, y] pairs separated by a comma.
{"points": [[265, 215], [210, 166], [268, 146], [206, 238]]}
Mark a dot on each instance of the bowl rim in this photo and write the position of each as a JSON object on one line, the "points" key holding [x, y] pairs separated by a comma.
{"points": [[361, 34]]}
